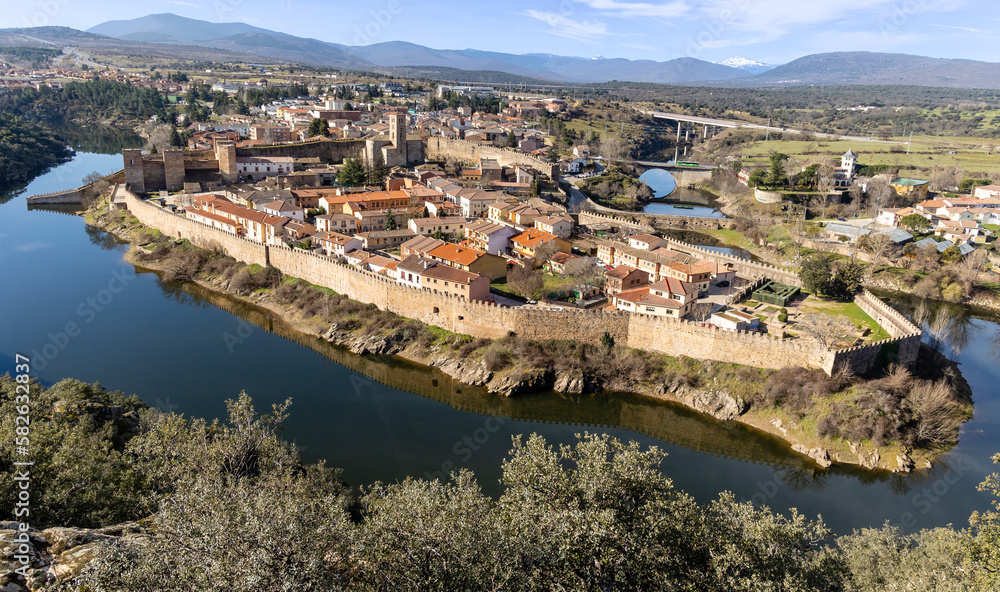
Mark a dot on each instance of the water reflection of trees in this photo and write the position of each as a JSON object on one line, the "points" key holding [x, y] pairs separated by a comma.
{"points": [[99, 139], [102, 239]]}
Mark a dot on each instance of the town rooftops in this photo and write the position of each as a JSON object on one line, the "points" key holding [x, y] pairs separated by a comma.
{"points": [[281, 206], [533, 237], [642, 296], [484, 227], [846, 229], [415, 264], [903, 181], [421, 244], [674, 286], [444, 220], [386, 233], [621, 272], [451, 274], [459, 255]]}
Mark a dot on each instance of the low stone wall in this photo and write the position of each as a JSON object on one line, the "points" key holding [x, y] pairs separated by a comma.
{"points": [[768, 196], [70, 196], [667, 221], [586, 217]]}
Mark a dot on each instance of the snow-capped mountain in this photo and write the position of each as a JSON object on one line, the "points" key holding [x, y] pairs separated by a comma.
{"points": [[748, 65]]}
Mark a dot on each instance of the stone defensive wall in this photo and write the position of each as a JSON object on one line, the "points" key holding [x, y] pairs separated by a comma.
{"points": [[585, 217], [438, 147], [902, 347], [325, 150], [672, 221], [488, 320], [745, 268]]}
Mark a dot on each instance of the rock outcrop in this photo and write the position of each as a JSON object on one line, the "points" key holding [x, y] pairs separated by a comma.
{"points": [[57, 554]]}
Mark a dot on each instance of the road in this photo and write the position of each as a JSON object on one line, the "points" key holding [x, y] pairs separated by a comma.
{"points": [[744, 125]]}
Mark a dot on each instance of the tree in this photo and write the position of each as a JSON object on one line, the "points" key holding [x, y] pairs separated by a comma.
{"points": [[526, 280], [511, 140], [776, 175], [828, 330], [757, 178], [915, 223], [878, 244], [390, 221], [318, 127], [846, 280], [352, 174], [816, 273], [175, 138]]}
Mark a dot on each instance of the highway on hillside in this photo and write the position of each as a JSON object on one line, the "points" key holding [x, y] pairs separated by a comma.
{"points": [[744, 125]]}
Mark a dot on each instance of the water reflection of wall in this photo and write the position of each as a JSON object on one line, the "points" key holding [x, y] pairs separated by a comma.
{"points": [[661, 420]]}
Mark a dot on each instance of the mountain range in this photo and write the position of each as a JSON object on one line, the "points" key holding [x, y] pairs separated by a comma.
{"points": [[165, 34]]}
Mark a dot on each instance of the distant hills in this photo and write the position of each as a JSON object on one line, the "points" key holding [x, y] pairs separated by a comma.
{"points": [[169, 34], [170, 28], [862, 67]]}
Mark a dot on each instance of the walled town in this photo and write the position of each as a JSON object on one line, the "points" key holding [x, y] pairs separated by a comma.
{"points": [[461, 207]]}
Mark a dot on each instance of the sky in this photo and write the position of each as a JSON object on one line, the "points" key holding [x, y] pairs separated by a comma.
{"points": [[770, 31]]}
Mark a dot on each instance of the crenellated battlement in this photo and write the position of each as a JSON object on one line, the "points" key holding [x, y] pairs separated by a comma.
{"points": [[666, 335]]}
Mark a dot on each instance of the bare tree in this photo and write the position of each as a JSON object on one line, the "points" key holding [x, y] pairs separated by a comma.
{"points": [[545, 252], [878, 245], [526, 280], [613, 148], [586, 270], [969, 268], [828, 330]]}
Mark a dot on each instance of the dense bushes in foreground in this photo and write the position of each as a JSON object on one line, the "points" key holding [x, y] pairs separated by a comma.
{"points": [[234, 508]]}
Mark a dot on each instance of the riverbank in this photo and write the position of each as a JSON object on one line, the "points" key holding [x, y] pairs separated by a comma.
{"points": [[512, 366]]}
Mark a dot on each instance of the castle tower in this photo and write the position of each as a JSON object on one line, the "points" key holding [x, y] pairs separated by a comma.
{"points": [[135, 178], [173, 169], [848, 162], [225, 153], [397, 130], [397, 134]]}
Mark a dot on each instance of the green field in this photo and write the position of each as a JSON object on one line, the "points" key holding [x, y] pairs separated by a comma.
{"points": [[971, 154]]}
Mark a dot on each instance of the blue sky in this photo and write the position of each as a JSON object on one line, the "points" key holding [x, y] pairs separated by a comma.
{"points": [[774, 31]]}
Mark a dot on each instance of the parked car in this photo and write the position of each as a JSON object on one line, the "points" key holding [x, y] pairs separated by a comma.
{"points": [[842, 219], [723, 284]]}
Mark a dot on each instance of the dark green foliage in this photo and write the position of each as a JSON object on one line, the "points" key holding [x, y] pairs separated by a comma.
{"points": [[968, 184], [36, 55], [816, 273], [26, 149], [915, 222], [82, 474], [352, 175], [318, 127], [846, 280], [390, 221]]}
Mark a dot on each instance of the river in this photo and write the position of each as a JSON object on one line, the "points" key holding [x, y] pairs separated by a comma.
{"points": [[186, 350], [677, 201]]}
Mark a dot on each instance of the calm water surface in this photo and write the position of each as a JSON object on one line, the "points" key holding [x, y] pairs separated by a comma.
{"points": [[188, 350]]}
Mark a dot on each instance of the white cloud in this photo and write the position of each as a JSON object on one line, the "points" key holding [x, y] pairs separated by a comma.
{"points": [[967, 29], [564, 26], [643, 9], [180, 3], [29, 247]]}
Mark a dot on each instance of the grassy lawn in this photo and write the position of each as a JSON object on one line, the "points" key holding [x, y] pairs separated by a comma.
{"points": [[556, 283], [732, 238], [925, 151]]}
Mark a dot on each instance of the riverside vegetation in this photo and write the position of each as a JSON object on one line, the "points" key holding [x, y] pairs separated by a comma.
{"points": [[893, 419], [132, 499]]}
